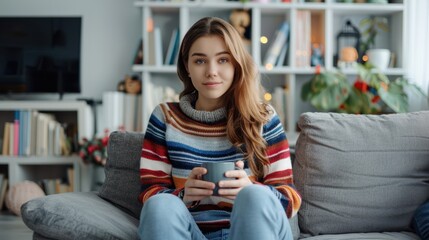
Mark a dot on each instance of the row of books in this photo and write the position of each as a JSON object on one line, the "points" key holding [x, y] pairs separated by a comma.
{"points": [[122, 111], [3, 188], [34, 133], [155, 48], [279, 103], [58, 185], [277, 51], [279, 44]]}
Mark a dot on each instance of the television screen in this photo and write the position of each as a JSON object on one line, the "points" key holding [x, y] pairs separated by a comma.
{"points": [[40, 54]]}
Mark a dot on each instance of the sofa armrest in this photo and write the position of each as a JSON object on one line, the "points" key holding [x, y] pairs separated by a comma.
{"points": [[78, 216]]}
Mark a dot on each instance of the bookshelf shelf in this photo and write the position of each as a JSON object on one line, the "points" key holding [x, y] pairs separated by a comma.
{"points": [[37, 167], [326, 20]]}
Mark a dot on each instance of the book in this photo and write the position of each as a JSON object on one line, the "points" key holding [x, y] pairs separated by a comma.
{"points": [[11, 138], [70, 178], [279, 102], [158, 47], [28, 132], [16, 134], [3, 188], [172, 47], [113, 110], [282, 56], [138, 58], [33, 132], [303, 39], [42, 143], [155, 47], [6, 140], [274, 50]]}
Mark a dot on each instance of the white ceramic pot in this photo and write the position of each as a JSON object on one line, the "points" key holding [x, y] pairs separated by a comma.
{"points": [[380, 58]]}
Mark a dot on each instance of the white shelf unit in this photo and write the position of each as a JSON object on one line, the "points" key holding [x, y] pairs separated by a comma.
{"points": [[35, 168], [265, 19]]}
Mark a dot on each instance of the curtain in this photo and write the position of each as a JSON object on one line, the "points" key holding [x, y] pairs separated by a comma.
{"points": [[417, 56]]}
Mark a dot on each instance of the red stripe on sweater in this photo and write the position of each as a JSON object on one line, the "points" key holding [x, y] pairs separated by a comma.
{"points": [[154, 152], [278, 147]]}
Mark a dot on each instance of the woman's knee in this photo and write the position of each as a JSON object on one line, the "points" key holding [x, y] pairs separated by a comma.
{"points": [[255, 194], [161, 205]]}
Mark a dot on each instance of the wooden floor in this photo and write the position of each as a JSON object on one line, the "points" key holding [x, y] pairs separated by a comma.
{"points": [[13, 228]]}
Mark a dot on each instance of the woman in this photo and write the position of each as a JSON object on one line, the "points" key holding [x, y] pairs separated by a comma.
{"points": [[220, 117]]}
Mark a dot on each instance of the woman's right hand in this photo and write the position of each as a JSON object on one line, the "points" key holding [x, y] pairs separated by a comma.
{"points": [[195, 188]]}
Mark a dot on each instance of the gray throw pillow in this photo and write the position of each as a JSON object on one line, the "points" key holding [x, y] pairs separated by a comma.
{"points": [[78, 215], [361, 173], [122, 184]]}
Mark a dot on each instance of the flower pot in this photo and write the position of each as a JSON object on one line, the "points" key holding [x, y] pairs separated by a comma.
{"points": [[380, 58]]}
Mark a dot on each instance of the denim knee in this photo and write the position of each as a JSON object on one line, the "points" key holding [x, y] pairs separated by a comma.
{"points": [[163, 204], [254, 195]]}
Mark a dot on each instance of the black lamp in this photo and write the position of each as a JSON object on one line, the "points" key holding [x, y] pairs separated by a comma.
{"points": [[349, 36]]}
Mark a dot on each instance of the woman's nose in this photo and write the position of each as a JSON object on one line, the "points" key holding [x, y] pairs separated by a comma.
{"points": [[211, 70]]}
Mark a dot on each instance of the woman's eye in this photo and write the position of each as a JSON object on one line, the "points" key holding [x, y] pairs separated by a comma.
{"points": [[223, 60], [200, 61]]}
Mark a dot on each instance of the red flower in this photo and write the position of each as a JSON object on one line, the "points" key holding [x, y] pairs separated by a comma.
{"points": [[105, 141], [375, 99], [94, 150], [361, 85]]}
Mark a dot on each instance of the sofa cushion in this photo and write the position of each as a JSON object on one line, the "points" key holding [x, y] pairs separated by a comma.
{"points": [[122, 184], [78, 216], [365, 236], [361, 173]]}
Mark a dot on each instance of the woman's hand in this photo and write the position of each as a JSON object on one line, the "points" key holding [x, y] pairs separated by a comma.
{"points": [[230, 188], [195, 188]]}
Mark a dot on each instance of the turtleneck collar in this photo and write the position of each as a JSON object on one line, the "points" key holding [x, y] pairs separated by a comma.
{"points": [[187, 104]]}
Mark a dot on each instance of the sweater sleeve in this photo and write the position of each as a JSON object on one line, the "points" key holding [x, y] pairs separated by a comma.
{"points": [[278, 175], [155, 166]]}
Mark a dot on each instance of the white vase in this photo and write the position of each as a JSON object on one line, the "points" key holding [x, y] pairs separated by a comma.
{"points": [[380, 58]]}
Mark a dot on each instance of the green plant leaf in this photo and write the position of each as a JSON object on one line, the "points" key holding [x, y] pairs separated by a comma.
{"points": [[331, 97], [394, 98]]}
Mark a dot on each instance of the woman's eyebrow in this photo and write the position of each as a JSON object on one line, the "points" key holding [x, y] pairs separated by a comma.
{"points": [[203, 55]]}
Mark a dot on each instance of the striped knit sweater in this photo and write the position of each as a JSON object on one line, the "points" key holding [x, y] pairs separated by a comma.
{"points": [[179, 138]]}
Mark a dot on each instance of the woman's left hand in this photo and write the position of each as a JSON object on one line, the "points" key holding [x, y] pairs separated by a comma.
{"points": [[230, 188]]}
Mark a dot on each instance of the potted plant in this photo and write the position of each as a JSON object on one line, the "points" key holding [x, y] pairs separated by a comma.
{"points": [[379, 57], [326, 90], [371, 93]]}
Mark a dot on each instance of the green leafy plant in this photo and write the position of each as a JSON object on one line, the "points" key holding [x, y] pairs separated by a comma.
{"points": [[371, 93], [371, 27], [326, 90]]}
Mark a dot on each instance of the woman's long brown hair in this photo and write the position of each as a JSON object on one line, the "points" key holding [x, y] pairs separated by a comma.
{"points": [[245, 112]]}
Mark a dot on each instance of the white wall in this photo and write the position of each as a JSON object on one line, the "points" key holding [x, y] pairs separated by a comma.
{"points": [[111, 30]]}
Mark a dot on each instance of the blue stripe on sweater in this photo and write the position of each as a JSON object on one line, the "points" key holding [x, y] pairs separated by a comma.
{"points": [[156, 131], [273, 131], [180, 147]]}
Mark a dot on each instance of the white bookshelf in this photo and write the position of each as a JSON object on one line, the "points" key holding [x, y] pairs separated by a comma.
{"points": [[35, 168], [265, 19]]}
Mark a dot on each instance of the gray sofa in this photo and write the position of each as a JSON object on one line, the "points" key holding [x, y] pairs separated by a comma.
{"points": [[360, 177]]}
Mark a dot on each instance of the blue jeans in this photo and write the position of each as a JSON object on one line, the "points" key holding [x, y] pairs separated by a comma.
{"points": [[257, 214], [421, 221]]}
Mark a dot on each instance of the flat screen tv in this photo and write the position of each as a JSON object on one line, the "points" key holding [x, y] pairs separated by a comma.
{"points": [[40, 55]]}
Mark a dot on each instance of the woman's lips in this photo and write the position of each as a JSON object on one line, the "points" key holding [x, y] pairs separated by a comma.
{"points": [[211, 83]]}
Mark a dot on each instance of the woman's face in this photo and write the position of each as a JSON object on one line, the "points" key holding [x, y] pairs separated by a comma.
{"points": [[210, 66]]}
